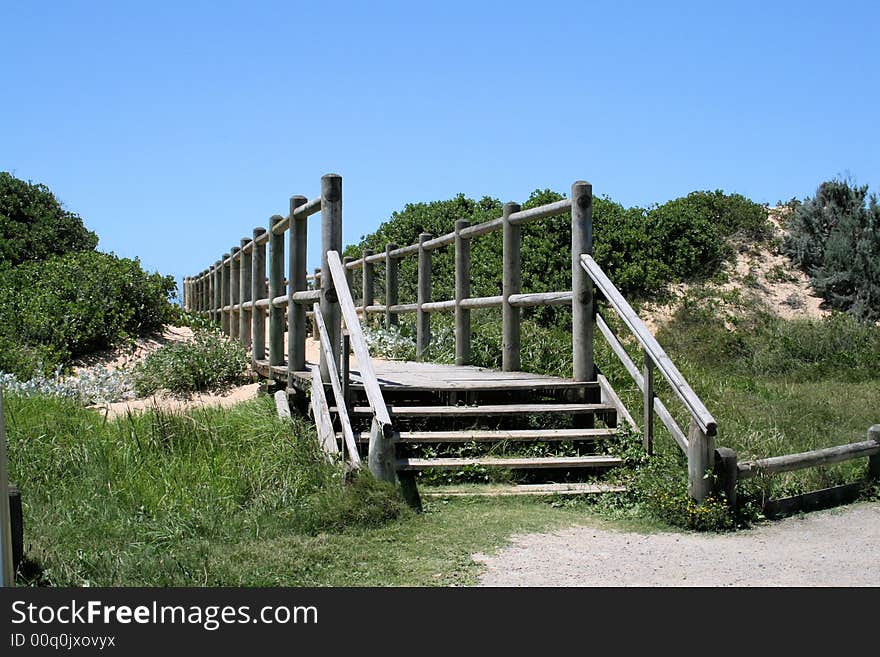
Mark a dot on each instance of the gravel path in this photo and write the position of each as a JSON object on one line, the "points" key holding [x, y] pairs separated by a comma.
{"points": [[829, 548]]}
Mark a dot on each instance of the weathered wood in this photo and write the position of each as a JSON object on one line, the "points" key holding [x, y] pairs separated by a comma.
{"points": [[647, 341], [648, 403], [390, 286], [423, 319], [438, 306], [244, 313], [368, 278], [224, 299], [462, 292], [701, 462], [874, 460], [234, 292], [381, 456], [359, 345], [305, 298], [609, 396], [527, 463], [661, 410], [494, 435], [482, 302], [582, 308], [282, 406], [813, 501], [297, 285], [276, 289], [403, 251], [811, 459], [321, 415], [541, 212], [540, 299], [402, 308], [488, 409], [503, 490], [302, 211], [483, 228], [331, 240], [217, 292], [338, 393], [726, 474], [511, 275]]}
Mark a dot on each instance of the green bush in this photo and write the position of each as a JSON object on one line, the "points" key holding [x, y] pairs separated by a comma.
{"points": [[835, 238], [34, 226], [66, 306], [207, 362]]}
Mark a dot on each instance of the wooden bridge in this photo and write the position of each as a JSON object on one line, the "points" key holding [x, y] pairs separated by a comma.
{"points": [[389, 412]]}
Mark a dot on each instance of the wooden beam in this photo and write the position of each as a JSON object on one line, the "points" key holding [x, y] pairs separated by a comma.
{"points": [[811, 459]]}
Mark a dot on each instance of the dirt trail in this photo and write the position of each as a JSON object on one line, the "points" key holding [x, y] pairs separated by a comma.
{"points": [[827, 548]]}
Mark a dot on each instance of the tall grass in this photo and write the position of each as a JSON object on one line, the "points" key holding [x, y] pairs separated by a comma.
{"points": [[140, 499]]}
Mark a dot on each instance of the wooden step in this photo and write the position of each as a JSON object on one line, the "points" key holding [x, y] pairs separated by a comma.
{"points": [[491, 385], [499, 490], [489, 435], [482, 411], [516, 463]]}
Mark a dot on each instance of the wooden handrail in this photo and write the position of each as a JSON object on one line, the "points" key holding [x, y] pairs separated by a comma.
{"points": [[359, 344], [648, 342]]}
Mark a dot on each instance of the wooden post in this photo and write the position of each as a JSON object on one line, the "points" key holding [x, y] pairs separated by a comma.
{"points": [[462, 292], [701, 459], [296, 275], [217, 293], [648, 404], [382, 454], [511, 284], [367, 280], [234, 291], [874, 461], [726, 474], [244, 316], [225, 299], [7, 570], [258, 290], [331, 240], [390, 286], [276, 288], [423, 319], [186, 293], [582, 310]]}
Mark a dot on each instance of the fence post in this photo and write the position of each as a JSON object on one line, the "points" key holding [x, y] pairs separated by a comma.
{"points": [[204, 298], [462, 292], [582, 310], [217, 293], [244, 316], [296, 282], [648, 404], [7, 569], [225, 298], [701, 458], [874, 461], [276, 286], [511, 283], [390, 285], [186, 293], [367, 274], [726, 474], [331, 240], [258, 289], [234, 290], [423, 295]]}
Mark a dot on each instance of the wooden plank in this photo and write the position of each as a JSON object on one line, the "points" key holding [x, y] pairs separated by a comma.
{"points": [[488, 435], [518, 463], [811, 459], [282, 405], [500, 409], [338, 393], [648, 342], [502, 490], [359, 344], [813, 501], [321, 415]]}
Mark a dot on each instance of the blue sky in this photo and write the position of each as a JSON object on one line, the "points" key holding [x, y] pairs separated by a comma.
{"points": [[175, 128]]}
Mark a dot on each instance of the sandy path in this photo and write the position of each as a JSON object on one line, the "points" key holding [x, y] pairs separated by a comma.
{"points": [[828, 548]]}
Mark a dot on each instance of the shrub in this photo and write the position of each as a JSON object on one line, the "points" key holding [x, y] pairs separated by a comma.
{"points": [[835, 238], [34, 225], [69, 305], [207, 362]]}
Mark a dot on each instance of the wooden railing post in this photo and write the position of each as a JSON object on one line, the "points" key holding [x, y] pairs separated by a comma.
{"points": [[296, 312], [874, 461], [244, 316], [276, 288], [648, 403], [258, 289], [224, 295], [511, 283], [186, 293], [462, 291], [217, 293], [367, 280], [331, 240], [234, 291], [701, 460], [193, 297], [390, 286], [582, 309], [423, 319], [204, 292], [726, 474]]}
